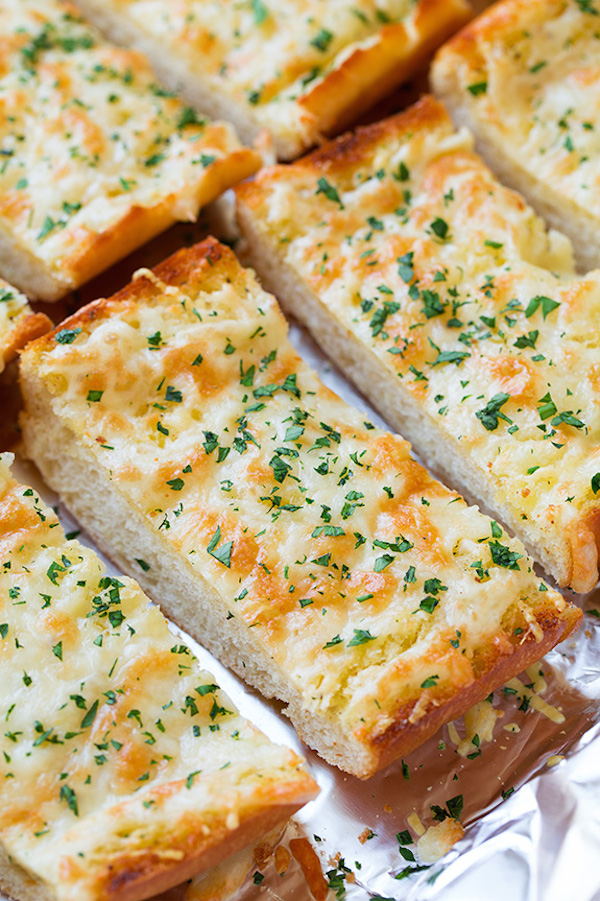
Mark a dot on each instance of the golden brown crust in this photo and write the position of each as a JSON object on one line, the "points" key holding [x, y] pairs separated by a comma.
{"points": [[344, 154], [96, 252], [404, 735], [370, 73], [146, 875], [27, 329]]}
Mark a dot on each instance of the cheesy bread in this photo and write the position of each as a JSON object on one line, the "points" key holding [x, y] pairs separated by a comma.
{"points": [[442, 296], [300, 544], [301, 69], [525, 77], [96, 157], [125, 770], [18, 323]]}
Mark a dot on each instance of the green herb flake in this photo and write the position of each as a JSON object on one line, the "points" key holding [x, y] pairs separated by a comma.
{"points": [[322, 40], [334, 641], [361, 636], [490, 414], [223, 553], [503, 556], [324, 187], [67, 794], [477, 89], [546, 303], [67, 335], [90, 716]]}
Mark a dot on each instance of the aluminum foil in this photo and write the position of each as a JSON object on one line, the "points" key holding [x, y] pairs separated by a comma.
{"points": [[529, 798]]}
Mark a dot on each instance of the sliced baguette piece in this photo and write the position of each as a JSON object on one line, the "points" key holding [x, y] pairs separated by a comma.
{"points": [[301, 69], [441, 295], [18, 323], [302, 546], [525, 78], [125, 769], [97, 159]]}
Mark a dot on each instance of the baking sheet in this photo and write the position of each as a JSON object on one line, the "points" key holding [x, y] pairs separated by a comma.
{"points": [[541, 840]]}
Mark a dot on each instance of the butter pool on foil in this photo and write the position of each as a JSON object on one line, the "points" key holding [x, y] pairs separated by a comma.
{"points": [[520, 775]]}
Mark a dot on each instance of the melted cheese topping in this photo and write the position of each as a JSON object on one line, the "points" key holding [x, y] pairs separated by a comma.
{"points": [[86, 135], [13, 309], [531, 78], [267, 55], [368, 583], [114, 742], [453, 283]]}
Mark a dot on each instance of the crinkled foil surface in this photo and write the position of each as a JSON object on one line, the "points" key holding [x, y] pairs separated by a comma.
{"points": [[530, 796]]}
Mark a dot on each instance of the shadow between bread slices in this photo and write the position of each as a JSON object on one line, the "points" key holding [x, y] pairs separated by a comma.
{"points": [[371, 652]]}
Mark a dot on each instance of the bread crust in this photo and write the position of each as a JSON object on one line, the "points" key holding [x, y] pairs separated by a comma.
{"points": [[361, 73], [83, 204], [140, 876], [273, 211], [493, 51], [271, 639], [27, 329], [18, 324]]}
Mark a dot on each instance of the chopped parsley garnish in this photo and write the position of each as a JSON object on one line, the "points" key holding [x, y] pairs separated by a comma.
{"points": [[67, 794], [67, 335], [429, 604], [440, 228], [503, 556], [223, 553], [361, 636], [405, 267], [324, 187], [479, 88], [173, 394], [546, 303], [490, 414], [334, 641], [383, 562], [322, 40]]}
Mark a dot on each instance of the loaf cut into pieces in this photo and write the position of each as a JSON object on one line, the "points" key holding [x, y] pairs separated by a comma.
{"points": [[302, 69], [97, 158], [525, 78], [125, 770], [300, 544], [18, 323], [441, 295]]}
